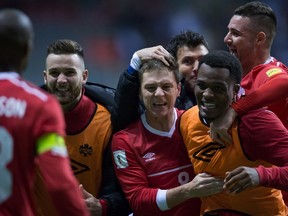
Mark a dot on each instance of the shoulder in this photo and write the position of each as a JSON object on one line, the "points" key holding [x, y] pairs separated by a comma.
{"points": [[179, 111], [277, 63], [132, 131], [271, 69], [189, 112], [32, 91], [38, 98], [189, 119], [101, 94], [102, 116], [44, 109]]}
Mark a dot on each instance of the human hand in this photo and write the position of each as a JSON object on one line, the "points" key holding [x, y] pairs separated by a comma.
{"points": [[156, 52], [93, 204], [219, 127], [240, 179], [205, 185]]}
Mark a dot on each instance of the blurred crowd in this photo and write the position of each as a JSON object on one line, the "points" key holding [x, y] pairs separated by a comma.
{"points": [[110, 31]]}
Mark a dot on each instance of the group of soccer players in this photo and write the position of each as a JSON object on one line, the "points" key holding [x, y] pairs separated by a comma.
{"points": [[175, 141]]}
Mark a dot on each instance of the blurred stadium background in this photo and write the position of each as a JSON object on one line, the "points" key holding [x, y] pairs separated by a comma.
{"points": [[111, 30]]}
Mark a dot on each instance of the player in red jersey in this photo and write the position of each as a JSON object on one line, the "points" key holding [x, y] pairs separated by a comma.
{"points": [[150, 158], [250, 35], [31, 130]]}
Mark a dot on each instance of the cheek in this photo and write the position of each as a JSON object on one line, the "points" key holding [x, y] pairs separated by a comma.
{"points": [[51, 81], [75, 83], [140, 97], [198, 93], [241, 44], [227, 101], [185, 70], [144, 96]]}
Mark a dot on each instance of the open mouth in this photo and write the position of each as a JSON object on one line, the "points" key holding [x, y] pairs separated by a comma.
{"points": [[233, 51], [209, 105], [159, 104]]}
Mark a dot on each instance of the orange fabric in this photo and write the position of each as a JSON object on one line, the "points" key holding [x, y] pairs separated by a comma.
{"points": [[87, 149], [210, 157]]}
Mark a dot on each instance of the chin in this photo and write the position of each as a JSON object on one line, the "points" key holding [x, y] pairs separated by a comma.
{"points": [[64, 102], [207, 116]]}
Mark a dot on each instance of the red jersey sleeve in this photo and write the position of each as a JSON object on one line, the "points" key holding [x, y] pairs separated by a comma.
{"points": [[49, 119], [132, 176], [267, 177], [54, 163], [264, 137], [274, 90], [61, 184]]}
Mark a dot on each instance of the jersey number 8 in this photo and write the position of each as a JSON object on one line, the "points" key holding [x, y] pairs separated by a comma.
{"points": [[6, 154]]}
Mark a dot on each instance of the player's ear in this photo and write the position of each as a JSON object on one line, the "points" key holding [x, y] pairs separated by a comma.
{"points": [[85, 76], [260, 38], [179, 88], [235, 92], [45, 77]]}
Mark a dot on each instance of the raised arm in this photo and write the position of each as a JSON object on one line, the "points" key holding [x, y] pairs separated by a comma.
{"points": [[127, 106], [273, 91]]}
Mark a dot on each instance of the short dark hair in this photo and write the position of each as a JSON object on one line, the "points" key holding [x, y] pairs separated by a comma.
{"points": [[152, 64], [223, 59], [16, 39], [65, 46], [262, 16], [185, 38]]}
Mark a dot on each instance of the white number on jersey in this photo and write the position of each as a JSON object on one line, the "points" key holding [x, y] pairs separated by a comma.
{"points": [[6, 154]]}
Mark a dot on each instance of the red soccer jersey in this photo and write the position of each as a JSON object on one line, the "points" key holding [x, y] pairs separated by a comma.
{"points": [[26, 114], [147, 160], [265, 85]]}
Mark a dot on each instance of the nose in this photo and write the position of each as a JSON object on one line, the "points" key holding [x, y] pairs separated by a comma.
{"points": [[208, 93], [61, 78], [195, 68], [227, 39], [159, 91]]}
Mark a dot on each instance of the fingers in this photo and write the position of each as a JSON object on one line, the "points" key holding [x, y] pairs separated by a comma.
{"points": [[81, 188], [238, 186], [214, 186], [216, 138], [220, 135], [156, 52], [240, 179], [162, 54], [225, 136], [219, 128], [85, 193]]}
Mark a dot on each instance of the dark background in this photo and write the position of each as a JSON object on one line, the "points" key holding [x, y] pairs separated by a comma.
{"points": [[111, 30]]}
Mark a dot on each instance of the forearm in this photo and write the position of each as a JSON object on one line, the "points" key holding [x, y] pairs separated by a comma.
{"points": [[178, 195], [202, 185], [271, 92], [275, 177], [126, 107]]}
